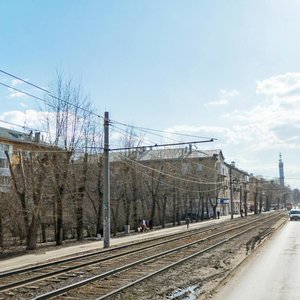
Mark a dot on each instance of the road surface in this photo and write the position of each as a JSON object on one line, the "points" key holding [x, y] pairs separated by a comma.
{"points": [[272, 273]]}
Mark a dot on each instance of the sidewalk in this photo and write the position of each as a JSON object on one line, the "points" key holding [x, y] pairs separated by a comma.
{"points": [[43, 256]]}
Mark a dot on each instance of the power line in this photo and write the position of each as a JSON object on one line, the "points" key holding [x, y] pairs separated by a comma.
{"points": [[45, 101], [65, 101], [167, 174], [25, 81], [23, 127], [161, 145], [25, 93], [157, 130], [124, 133], [42, 89]]}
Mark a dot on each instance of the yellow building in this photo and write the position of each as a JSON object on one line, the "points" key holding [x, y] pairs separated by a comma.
{"points": [[15, 142]]}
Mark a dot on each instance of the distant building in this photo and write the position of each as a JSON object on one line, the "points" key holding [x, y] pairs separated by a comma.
{"points": [[237, 181], [281, 171]]}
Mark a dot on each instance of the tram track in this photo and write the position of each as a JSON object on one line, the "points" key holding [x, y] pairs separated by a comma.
{"points": [[18, 277], [126, 258], [108, 284]]}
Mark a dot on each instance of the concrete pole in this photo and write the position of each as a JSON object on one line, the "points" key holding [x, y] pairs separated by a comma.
{"points": [[231, 193], [106, 187], [241, 200]]}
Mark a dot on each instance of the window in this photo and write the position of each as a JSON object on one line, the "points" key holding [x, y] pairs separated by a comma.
{"points": [[3, 163], [4, 180], [5, 147]]}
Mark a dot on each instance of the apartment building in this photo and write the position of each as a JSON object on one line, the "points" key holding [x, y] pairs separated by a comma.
{"points": [[14, 141]]}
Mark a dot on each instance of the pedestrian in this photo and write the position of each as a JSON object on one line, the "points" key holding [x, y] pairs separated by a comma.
{"points": [[187, 222], [144, 227], [218, 213]]}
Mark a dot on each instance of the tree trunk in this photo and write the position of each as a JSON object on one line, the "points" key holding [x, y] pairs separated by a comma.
{"points": [[1, 224], [54, 203], [59, 218], [79, 220], [154, 193], [32, 233], [115, 217], [198, 215], [44, 232], [79, 195], [178, 209], [163, 223], [60, 180], [174, 207], [134, 200], [202, 206]]}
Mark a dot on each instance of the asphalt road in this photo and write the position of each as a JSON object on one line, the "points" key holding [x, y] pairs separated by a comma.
{"points": [[272, 273]]}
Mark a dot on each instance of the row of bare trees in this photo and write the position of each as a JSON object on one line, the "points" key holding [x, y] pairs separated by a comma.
{"points": [[48, 187], [53, 198], [56, 190]]}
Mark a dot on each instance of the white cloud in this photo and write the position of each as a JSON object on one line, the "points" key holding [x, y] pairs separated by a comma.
{"points": [[253, 137], [15, 94], [275, 121], [15, 82], [23, 104], [282, 88], [224, 97], [30, 118]]}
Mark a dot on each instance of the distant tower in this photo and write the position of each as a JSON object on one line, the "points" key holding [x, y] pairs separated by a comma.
{"points": [[281, 173]]}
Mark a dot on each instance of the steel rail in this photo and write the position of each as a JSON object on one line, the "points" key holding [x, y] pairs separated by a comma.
{"points": [[103, 251], [128, 266], [37, 277], [165, 239]]}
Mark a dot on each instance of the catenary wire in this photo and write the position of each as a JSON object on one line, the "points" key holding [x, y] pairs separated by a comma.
{"points": [[111, 121], [167, 174], [42, 89], [174, 186]]}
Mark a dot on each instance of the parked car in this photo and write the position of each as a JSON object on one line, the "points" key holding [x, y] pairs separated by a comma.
{"points": [[294, 214]]}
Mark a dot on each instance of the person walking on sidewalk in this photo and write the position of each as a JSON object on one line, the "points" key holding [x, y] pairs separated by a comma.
{"points": [[187, 222]]}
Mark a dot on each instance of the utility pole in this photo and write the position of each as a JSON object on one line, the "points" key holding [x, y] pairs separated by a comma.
{"points": [[231, 192], [245, 193], [241, 199], [106, 188]]}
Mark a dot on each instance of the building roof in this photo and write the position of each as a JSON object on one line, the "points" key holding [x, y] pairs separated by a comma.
{"points": [[14, 135], [170, 154], [233, 167], [10, 135]]}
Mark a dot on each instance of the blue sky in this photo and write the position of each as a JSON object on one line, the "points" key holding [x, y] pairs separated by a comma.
{"points": [[225, 69]]}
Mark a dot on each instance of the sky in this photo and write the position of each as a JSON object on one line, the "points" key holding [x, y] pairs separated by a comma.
{"points": [[223, 69]]}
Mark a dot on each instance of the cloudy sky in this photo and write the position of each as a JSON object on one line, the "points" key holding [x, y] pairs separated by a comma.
{"points": [[227, 69]]}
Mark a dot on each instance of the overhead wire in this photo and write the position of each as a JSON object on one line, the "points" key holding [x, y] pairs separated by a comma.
{"points": [[167, 174], [126, 133], [143, 129], [47, 91], [171, 185], [162, 131], [21, 126], [147, 130]]}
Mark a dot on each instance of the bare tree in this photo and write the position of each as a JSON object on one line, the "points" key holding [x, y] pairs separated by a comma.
{"points": [[29, 193], [70, 114]]}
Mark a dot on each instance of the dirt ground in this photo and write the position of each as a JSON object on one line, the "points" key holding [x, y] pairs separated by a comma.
{"points": [[199, 279]]}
